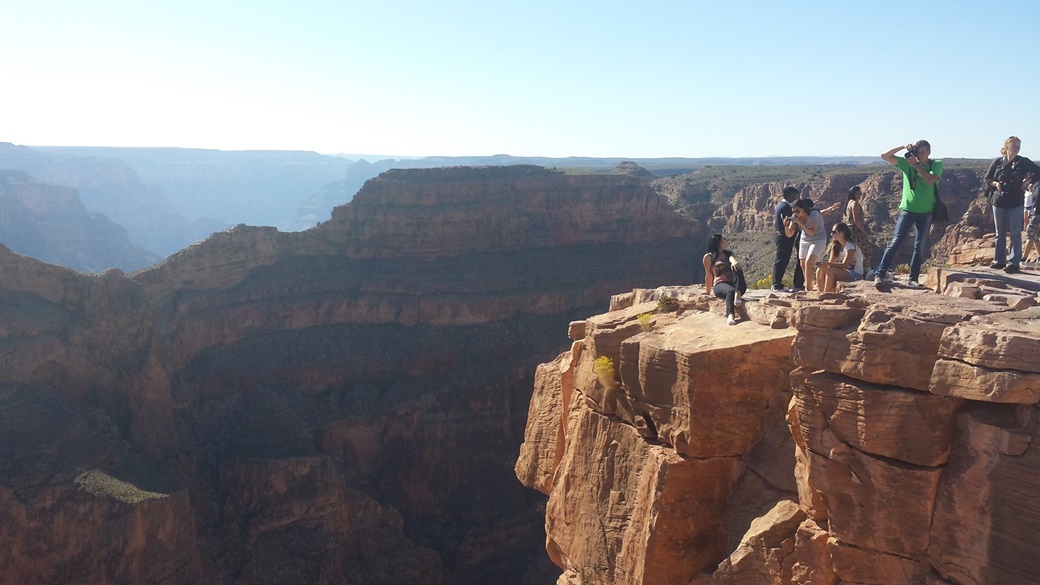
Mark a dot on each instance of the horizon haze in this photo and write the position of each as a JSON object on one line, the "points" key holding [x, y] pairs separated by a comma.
{"points": [[464, 78]]}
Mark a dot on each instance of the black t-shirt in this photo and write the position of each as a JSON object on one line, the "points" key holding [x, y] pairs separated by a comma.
{"points": [[783, 209]]}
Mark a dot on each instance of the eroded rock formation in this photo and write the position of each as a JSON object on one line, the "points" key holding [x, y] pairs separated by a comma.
{"points": [[341, 405], [881, 437]]}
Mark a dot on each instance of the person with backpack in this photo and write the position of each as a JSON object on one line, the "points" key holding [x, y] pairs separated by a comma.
{"points": [[723, 276], [920, 177], [1005, 186]]}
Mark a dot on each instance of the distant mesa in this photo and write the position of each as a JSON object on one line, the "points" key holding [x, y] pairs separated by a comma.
{"points": [[633, 170]]}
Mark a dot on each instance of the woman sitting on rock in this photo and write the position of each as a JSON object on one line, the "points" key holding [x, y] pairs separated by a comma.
{"points": [[723, 276], [846, 259]]}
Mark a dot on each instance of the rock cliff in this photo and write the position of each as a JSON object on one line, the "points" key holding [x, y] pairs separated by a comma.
{"points": [[49, 222], [341, 405], [862, 437]]}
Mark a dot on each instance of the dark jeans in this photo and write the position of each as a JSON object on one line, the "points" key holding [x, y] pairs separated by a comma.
{"points": [[906, 220], [784, 246], [725, 290]]}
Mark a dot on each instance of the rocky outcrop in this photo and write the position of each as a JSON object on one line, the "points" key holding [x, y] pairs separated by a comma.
{"points": [[331, 406], [888, 440], [49, 222]]}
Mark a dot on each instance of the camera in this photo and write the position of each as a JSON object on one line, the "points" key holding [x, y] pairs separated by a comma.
{"points": [[911, 152], [817, 263]]}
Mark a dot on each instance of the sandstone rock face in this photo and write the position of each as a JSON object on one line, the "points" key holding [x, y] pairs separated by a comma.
{"points": [[909, 442], [341, 405], [639, 493], [79, 505]]}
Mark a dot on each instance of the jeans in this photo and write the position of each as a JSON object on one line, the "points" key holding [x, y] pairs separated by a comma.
{"points": [[1008, 219], [725, 290], [784, 246], [906, 220]]}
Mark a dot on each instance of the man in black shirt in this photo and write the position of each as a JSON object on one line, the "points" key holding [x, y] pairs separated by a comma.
{"points": [[784, 244]]}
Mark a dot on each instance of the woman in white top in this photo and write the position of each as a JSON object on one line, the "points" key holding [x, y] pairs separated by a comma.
{"points": [[814, 236], [846, 259]]}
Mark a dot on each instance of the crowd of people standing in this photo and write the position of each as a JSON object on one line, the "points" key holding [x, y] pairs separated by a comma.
{"points": [[1011, 187]]}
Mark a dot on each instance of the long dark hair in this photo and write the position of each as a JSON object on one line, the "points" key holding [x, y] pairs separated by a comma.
{"points": [[846, 231], [805, 205], [715, 245], [854, 194]]}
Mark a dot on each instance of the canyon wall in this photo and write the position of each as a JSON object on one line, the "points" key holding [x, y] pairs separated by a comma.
{"points": [[864, 437], [341, 405]]}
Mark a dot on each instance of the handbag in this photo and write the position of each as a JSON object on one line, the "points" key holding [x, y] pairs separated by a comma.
{"points": [[940, 214]]}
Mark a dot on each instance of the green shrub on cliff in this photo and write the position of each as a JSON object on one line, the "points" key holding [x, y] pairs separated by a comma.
{"points": [[645, 322], [605, 372]]}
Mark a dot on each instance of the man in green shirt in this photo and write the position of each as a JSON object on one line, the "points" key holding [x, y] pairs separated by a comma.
{"points": [[920, 175]]}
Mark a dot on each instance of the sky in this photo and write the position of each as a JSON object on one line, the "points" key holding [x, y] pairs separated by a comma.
{"points": [[610, 78]]}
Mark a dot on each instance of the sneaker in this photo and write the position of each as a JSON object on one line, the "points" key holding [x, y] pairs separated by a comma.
{"points": [[912, 282], [1011, 268], [997, 265], [796, 289], [878, 281], [730, 320], [778, 288]]}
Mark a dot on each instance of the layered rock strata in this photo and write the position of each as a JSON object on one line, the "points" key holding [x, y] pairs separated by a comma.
{"points": [[341, 405], [853, 438]]}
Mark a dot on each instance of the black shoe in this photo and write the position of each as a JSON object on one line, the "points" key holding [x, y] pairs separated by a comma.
{"points": [[1011, 268], [996, 265]]}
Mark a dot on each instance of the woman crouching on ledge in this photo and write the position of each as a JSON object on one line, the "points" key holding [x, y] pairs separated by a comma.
{"points": [[723, 276], [846, 259]]}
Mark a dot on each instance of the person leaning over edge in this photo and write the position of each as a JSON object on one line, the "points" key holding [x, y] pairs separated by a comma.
{"points": [[785, 244], [920, 174]]}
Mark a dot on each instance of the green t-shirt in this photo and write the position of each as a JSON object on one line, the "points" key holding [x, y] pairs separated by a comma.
{"points": [[918, 196]]}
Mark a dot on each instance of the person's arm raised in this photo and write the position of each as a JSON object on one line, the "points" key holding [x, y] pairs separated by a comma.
{"points": [[890, 156]]}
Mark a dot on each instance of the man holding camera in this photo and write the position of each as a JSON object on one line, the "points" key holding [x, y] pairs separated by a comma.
{"points": [[920, 175]]}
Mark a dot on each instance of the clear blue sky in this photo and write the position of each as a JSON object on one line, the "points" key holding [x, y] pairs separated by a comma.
{"points": [[527, 78]]}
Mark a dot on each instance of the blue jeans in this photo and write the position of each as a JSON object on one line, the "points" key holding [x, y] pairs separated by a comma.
{"points": [[906, 220], [1008, 219]]}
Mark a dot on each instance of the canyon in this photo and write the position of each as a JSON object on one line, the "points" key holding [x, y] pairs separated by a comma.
{"points": [[346, 404], [339, 405]]}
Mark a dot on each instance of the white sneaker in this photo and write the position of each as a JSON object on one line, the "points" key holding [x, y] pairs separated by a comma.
{"points": [[730, 320]]}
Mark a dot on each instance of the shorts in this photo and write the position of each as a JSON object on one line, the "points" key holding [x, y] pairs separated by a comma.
{"points": [[1033, 228], [808, 248]]}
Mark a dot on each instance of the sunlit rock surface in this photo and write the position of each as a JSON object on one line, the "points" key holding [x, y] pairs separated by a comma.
{"points": [[903, 449]]}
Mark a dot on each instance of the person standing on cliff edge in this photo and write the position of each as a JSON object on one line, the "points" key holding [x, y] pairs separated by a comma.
{"points": [[1006, 181], [920, 175], [785, 244]]}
